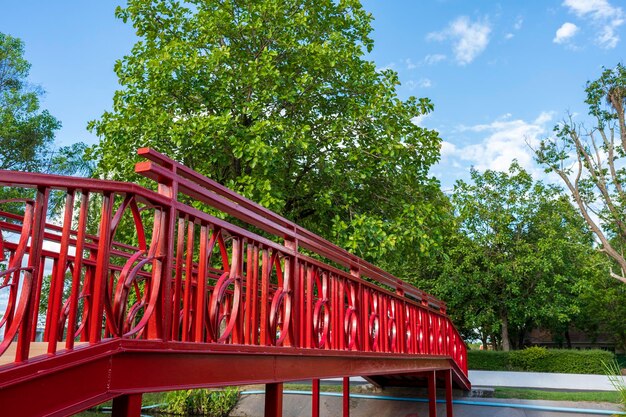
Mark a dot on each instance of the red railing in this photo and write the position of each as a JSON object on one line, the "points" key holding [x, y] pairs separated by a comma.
{"points": [[194, 277]]}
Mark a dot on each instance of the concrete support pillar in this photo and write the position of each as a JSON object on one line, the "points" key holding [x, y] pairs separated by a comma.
{"points": [[315, 398], [127, 406], [274, 400]]}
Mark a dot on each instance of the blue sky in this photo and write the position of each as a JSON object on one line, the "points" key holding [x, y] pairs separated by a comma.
{"points": [[499, 73]]}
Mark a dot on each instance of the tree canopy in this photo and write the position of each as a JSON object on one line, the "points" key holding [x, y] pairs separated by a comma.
{"points": [[277, 101], [591, 163], [26, 131], [516, 259]]}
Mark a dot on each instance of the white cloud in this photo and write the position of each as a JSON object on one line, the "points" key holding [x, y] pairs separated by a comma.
{"points": [[544, 117], [565, 33], [518, 23], [433, 59], [418, 120], [425, 83], [410, 64], [500, 142], [469, 38], [598, 8], [447, 149], [604, 16], [508, 36]]}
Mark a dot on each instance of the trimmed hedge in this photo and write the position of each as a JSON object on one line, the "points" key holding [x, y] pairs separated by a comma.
{"points": [[488, 360], [538, 359]]}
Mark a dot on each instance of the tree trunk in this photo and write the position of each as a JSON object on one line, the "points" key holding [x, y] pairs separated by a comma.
{"points": [[520, 338], [506, 343], [494, 342]]}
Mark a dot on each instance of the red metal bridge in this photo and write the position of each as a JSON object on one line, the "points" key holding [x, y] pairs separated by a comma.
{"points": [[123, 291]]}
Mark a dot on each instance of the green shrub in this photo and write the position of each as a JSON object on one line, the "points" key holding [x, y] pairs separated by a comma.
{"points": [[487, 360], [537, 359], [202, 402], [528, 359]]}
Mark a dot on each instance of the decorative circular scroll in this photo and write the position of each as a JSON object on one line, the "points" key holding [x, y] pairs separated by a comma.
{"points": [[392, 328], [374, 322], [13, 316], [321, 311], [222, 321], [280, 309], [351, 318], [14, 312], [408, 334], [123, 320]]}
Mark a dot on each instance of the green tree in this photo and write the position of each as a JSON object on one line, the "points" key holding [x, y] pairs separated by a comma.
{"points": [[602, 308], [275, 100], [515, 261], [26, 133], [590, 162]]}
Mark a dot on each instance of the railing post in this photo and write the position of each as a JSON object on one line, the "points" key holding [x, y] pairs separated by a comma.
{"points": [[102, 269], [55, 300], [161, 325], [291, 281], [274, 400]]}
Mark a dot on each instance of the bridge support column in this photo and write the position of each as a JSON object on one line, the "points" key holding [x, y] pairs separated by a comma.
{"points": [[315, 398], [432, 394], [346, 397], [127, 406], [274, 400], [448, 378]]}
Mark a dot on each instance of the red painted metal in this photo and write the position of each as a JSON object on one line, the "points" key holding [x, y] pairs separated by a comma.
{"points": [[126, 263], [432, 394], [274, 400], [346, 397], [127, 406], [315, 398], [448, 382]]}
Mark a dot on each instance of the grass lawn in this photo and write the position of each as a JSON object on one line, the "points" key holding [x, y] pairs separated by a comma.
{"points": [[534, 394]]}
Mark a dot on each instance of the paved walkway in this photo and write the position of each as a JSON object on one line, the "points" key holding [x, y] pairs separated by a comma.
{"points": [[251, 405], [575, 382]]}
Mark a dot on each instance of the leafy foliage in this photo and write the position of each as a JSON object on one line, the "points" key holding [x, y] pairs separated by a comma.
{"points": [[538, 359], [202, 402], [590, 162], [516, 259], [277, 102], [601, 302], [26, 131]]}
